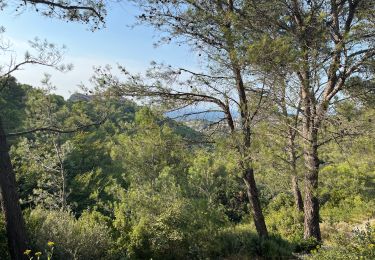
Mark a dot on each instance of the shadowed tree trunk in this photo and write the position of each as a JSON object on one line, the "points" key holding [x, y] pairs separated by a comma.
{"points": [[253, 196], [15, 226], [245, 122], [245, 146], [297, 193]]}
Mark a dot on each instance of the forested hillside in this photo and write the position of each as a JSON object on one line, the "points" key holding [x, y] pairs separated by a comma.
{"points": [[266, 150], [135, 184]]}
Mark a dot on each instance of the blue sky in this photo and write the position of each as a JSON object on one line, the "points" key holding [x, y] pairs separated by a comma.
{"points": [[117, 43]]}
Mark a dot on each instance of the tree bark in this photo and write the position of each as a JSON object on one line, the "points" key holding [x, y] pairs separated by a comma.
{"points": [[253, 196], [297, 193], [310, 127], [311, 202], [15, 227]]}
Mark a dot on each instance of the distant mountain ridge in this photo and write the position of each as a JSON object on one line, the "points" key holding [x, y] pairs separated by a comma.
{"points": [[79, 97]]}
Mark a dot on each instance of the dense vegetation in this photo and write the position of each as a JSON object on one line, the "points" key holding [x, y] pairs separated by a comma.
{"points": [[282, 167], [139, 185]]}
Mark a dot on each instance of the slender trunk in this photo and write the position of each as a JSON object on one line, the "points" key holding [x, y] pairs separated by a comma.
{"points": [[59, 155], [15, 226], [248, 176], [293, 166], [311, 202], [253, 196], [244, 146], [244, 149], [292, 124], [297, 193]]}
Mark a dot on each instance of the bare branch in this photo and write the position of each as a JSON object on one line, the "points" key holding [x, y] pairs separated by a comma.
{"points": [[56, 130]]}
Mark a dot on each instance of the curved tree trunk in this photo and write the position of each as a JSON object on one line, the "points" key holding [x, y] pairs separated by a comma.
{"points": [[245, 122], [252, 193], [15, 226]]}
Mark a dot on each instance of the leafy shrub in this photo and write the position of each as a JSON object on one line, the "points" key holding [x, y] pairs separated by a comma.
{"points": [[4, 252], [360, 245], [346, 191], [181, 231], [241, 241], [284, 219], [305, 245], [161, 240], [85, 238]]}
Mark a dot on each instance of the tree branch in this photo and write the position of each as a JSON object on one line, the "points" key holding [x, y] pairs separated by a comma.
{"points": [[55, 130]]}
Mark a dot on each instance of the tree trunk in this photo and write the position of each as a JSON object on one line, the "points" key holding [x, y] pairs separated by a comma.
{"points": [[311, 202], [297, 193], [244, 147], [293, 167], [252, 193], [310, 127], [15, 226]]}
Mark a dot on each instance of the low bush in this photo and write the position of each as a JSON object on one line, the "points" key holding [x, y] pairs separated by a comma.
{"points": [[359, 245], [85, 238], [4, 252], [242, 242]]}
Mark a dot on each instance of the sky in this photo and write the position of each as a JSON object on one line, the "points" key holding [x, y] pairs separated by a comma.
{"points": [[118, 43]]}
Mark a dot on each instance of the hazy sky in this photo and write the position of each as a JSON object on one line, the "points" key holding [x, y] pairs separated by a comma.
{"points": [[117, 43]]}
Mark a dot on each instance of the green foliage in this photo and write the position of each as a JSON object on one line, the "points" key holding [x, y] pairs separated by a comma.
{"points": [[358, 245], [137, 190], [241, 242], [41, 175], [180, 231], [271, 54], [347, 189], [213, 177], [283, 218], [362, 90], [48, 252], [155, 220], [4, 252], [12, 105], [87, 237]]}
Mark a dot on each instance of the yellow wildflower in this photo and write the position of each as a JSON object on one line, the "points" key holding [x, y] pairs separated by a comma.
{"points": [[27, 252], [50, 243]]}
